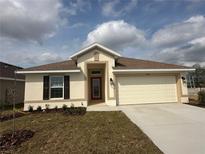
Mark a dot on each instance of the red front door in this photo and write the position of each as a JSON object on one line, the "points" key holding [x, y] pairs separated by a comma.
{"points": [[96, 88]]}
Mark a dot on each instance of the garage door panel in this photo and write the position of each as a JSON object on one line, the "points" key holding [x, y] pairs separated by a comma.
{"points": [[154, 89]]}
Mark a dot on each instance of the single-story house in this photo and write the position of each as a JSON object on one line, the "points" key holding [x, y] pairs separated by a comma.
{"points": [[7, 84], [97, 74]]}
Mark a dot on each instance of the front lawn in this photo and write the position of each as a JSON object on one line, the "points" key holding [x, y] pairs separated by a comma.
{"points": [[95, 132]]}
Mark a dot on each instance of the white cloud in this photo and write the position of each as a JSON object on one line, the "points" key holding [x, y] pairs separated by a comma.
{"points": [[191, 53], [28, 59], [116, 34], [78, 25], [33, 20], [113, 8], [28, 54], [179, 33], [180, 43], [25, 24], [78, 6]]}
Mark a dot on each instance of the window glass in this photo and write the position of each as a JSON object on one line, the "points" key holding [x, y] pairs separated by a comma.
{"points": [[56, 81], [56, 92], [57, 87], [96, 72]]}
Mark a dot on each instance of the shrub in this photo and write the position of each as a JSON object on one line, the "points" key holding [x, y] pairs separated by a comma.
{"points": [[75, 111], [56, 108], [201, 96], [47, 107], [65, 107], [72, 105], [30, 108], [39, 109]]}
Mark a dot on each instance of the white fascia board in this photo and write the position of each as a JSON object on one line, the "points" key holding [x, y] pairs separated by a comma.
{"points": [[11, 79], [93, 45], [48, 71], [152, 70]]}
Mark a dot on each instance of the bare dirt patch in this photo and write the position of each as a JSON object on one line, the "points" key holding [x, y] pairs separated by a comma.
{"points": [[10, 140], [9, 116]]}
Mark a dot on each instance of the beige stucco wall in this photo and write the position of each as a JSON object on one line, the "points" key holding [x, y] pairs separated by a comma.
{"points": [[34, 87], [109, 61], [184, 89], [34, 91]]}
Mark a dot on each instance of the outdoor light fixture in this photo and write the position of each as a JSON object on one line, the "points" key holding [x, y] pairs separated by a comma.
{"points": [[111, 80], [183, 78]]}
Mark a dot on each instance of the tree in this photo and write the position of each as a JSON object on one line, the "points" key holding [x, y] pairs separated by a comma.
{"points": [[199, 75]]}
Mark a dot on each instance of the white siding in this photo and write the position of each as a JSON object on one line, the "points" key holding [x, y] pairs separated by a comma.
{"points": [[147, 89]]}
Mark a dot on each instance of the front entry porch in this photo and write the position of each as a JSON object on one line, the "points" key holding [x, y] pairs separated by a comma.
{"points": [[96, 83]]}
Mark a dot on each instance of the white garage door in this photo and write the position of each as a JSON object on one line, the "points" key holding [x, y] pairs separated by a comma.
{"points": [[147, 89]]}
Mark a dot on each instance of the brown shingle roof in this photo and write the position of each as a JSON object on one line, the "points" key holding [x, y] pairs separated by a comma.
{"points": [[63, 65], [121, 63], [130, 63], [7, 71]]}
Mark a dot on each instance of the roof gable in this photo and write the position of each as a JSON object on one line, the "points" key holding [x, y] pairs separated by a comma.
{"points": [[92, 46], [8, 71]]}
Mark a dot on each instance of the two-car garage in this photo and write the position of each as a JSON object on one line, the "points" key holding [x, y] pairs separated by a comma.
{"points": [[146, 89]]}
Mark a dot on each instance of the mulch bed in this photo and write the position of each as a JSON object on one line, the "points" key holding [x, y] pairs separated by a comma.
{"points": [[198, 105], [10, 116], [9, 140], [75, 111], [67, 111]]}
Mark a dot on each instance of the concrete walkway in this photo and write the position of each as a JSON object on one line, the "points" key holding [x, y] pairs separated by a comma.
{"points": [[174, 128], [102, 107]]}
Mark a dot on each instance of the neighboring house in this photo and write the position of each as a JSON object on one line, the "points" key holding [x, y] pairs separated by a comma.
{"points": [[97, 74], [7, 84]]}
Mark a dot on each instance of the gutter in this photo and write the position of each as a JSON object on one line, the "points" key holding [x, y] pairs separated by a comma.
{"points": [[48, 71], [152, 70]]}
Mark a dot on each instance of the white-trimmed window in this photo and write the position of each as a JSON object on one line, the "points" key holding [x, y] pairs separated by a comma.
{"points": [[56, 87]]}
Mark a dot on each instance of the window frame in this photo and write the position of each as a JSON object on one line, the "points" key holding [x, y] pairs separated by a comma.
{"points": [[56, 98], [96, 72]]}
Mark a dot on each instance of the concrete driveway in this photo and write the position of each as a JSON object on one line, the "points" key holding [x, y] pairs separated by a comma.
{"points": [[174, 128]]}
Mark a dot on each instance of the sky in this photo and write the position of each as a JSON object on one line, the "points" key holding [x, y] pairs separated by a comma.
{"points": [[35, 32]]}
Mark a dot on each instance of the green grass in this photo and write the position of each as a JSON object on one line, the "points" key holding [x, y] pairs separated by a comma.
{"points": [[95, 132]]}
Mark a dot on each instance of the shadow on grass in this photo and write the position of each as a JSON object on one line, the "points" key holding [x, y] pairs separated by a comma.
{"points": [[4, 107]]}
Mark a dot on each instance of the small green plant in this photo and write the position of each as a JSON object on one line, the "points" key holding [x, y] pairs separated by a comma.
{"points": [[56, 108], [39, 109], [65, 107], [72, 105], [201, 97], [47, 106], [30, 108]]}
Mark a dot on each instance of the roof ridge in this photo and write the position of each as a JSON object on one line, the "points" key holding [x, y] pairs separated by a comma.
{"points": [[4, 63]]}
